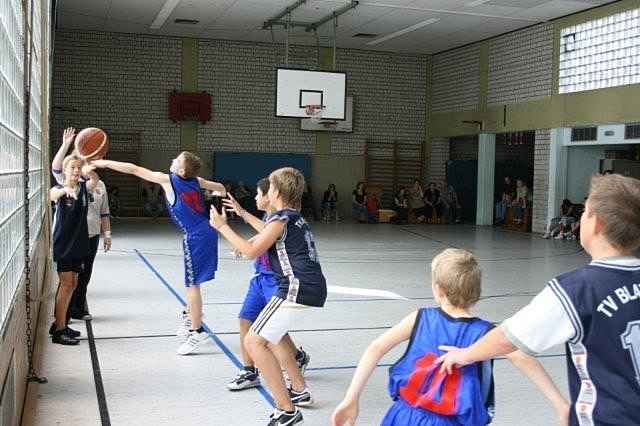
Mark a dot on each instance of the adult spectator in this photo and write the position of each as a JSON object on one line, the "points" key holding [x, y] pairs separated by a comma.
{"points": [[401, 206], [507, 194], [359, 203], [433, 201], [329, 203], [417, 206]]}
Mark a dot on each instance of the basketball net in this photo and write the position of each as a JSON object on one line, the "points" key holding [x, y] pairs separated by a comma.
{"points": [[314, 112]]}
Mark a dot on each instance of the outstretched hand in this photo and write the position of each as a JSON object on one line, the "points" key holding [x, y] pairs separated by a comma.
{"points": [[217, 219], [345, 414], [454, 357], [68, 136], [230, 204]]}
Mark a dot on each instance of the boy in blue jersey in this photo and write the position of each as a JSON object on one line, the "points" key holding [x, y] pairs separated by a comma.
{"points": [[594, 310], [288, 240], [262, 288], [423, 395], [182, 188]]}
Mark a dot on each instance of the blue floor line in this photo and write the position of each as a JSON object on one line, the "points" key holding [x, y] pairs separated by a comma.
{"points": [[232, 357]]}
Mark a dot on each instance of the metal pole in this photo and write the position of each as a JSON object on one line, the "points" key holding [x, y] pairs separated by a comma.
{"points": [[335, 26]]}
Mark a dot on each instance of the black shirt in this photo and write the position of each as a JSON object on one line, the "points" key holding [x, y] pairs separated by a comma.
{"points": [[359, 197], [70, 230]]}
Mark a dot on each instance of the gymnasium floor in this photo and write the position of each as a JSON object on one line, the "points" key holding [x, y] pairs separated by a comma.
{"points": [[137, 291]]}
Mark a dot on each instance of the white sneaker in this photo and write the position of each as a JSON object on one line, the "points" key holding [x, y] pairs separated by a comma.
{"points": [[546, 235], [560, 236], [193, 341], [185, 324]]}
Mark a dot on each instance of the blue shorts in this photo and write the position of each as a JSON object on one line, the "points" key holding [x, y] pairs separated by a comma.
{"points": [[261, 288], [200, 258], [402, 414]]}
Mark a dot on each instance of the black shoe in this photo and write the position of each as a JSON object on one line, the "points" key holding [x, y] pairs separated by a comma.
{"points": [[302, 359], [67, 330], [282, 418], [61, 338], [301, 399], [83, 316]]}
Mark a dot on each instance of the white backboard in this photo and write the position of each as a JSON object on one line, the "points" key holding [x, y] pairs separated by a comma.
{"points": [[326, 125], [296, 88]]}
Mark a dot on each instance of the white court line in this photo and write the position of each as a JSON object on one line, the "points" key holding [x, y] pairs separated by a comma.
{"points": [[355, 291]]}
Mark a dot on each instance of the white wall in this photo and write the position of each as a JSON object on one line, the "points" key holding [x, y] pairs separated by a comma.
{"points": [[583, 162]]}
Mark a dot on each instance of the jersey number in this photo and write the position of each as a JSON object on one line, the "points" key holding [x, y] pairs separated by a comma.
{"points": [[430, 389], [631, 342]]}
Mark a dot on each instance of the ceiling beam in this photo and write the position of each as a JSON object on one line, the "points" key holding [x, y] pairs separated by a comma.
{"points": [[276, 19], [332, 15]]}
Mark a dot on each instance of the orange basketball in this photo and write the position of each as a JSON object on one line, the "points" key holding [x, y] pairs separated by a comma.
{"points": [[92, 143]]}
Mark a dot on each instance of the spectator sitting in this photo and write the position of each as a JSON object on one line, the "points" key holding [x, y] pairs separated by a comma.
{"points": [[521, 201], [401, 206], [507, 194], [433, 201], [153, 200], [359, 203], [329, 202], [416, 201], [372, 208], [452, 205], [555, 227]]}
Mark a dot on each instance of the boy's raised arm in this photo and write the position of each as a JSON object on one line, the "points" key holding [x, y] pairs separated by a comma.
{"points": [[132, 169], [253, 248], [212, 186]]}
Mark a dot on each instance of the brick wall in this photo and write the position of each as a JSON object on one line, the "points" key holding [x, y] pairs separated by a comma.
{"points": [[521, 66], [389, 92], [118, 82], [456, 80], [541, 180], [437, 167], [241, 79]]}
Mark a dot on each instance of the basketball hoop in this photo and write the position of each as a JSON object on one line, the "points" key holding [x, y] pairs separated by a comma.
{"points": [[314, 112]]}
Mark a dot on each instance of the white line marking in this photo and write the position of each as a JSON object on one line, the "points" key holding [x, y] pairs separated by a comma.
{"points": [[364, 292]]}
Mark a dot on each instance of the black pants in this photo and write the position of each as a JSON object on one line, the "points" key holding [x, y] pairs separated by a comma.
{"points": [[78, 303]]}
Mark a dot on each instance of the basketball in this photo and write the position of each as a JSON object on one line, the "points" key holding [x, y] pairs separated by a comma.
{"points": [[92, 143]]}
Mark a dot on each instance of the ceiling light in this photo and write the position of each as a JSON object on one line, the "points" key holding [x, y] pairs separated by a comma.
{"points": [[164, 13], [403, 31]]}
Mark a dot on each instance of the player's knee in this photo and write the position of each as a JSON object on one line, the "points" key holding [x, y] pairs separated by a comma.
{"points": [[253, 342]]}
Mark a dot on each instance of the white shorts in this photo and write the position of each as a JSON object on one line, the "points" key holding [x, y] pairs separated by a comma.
{"points": [[277, 318]]}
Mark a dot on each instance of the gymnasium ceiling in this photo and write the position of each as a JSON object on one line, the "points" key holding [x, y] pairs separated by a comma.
{"points": [[441, 24]]}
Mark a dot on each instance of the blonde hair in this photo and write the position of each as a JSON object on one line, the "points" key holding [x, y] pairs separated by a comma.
{"points": [[69, 158], [615, 200], [457, 273], [192, 164], [290, 184]]}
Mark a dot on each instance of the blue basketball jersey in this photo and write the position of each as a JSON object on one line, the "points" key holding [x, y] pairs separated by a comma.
{"points": [[294, 260], [200, 242], [603, 302], [464, 397], [187, 210], [262, 263]]}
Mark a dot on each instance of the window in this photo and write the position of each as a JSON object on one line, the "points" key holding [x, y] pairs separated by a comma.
{"points": [[12, 142], [600, 53]]}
